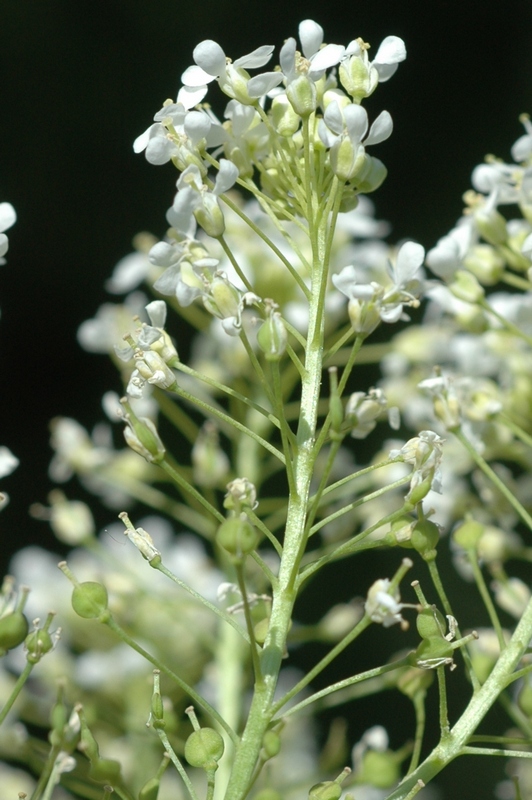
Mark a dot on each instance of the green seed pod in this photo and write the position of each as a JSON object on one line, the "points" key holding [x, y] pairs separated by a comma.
{"points": [[37, 644], [237, 536], [430, 623], [468, 534], [380, 769], [425, 536], [13, 630], [204, 748], [271, 743], [150, 790], [89, 599], [328, 790], [432, 652], [105, 769]]}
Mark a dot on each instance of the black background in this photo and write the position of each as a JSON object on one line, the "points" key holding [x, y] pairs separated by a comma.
{"points": [[80, 79]]}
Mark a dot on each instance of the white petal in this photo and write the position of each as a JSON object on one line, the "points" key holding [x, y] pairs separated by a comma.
{"points": [[385, 71], [310, 36], [190, 96], [196, 76], [333, 118], [409, 259], [8, 216], [327, 57], [392, 50], [226, 176], [287, 58], [210, 57], [159, 150], [141, 141], [381, 129], [4, 244], [156, 311], [197, 126], [522, 148], [167, 283], [128, 273], [345, 280], [264, 83], [258, 58], [356, 120]]}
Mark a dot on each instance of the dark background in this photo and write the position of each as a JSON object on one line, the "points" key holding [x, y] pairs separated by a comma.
{"points": [[80, 79]]}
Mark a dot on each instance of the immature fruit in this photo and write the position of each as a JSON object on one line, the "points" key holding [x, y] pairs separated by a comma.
{"points": [[13, 630], [204, 748], [238, 536], [89, 599], [430, 623]]}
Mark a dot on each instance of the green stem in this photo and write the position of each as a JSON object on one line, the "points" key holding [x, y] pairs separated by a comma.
{"points": [[364, 623], [177, 763], [494, 478], [17, 688], [198, 700], [486, 597], [187, 487], [478, 707], [215, 610], [418, 701]]}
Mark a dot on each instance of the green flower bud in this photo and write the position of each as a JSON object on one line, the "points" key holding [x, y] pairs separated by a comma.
{"points": [[271, 743], [425, 536], [328, 790], [13, 630], [468, 534], [491, 225], [89, 599], [379, 769], [466, 287], [419, 492], [302, 95], [285, 120], [363, 315], [141, 435], [157, 710], [485, 264], [204, 748], [260, 630], [272, 337], [347, 158], [237, 536], [210, 216], [358, 77], [430, 623]]}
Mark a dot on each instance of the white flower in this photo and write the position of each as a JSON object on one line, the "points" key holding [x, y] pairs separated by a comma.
{"points": [[8, 217], [383, 607], [8, 462], [212, 64], [424, 452]]}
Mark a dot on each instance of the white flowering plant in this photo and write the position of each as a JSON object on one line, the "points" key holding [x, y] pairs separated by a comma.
{"points": [[264, 462]]}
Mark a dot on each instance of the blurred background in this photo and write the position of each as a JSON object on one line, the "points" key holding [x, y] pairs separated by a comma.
{"points": [[80, 79]]}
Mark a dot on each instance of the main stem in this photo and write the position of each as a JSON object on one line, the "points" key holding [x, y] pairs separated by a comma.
{"points": [[283, 601], [451, 746]]}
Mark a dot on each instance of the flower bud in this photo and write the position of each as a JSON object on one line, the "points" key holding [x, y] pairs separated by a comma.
{"points": [[358, 77], [371, 175], [142, 436], [260, 630], [210, 216], [364, 316], [301, 93], [89, 599], [271, 743], [347, 158], [203, 748], [272, 337], [485, 264], [284, 119], [466, 287]]}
